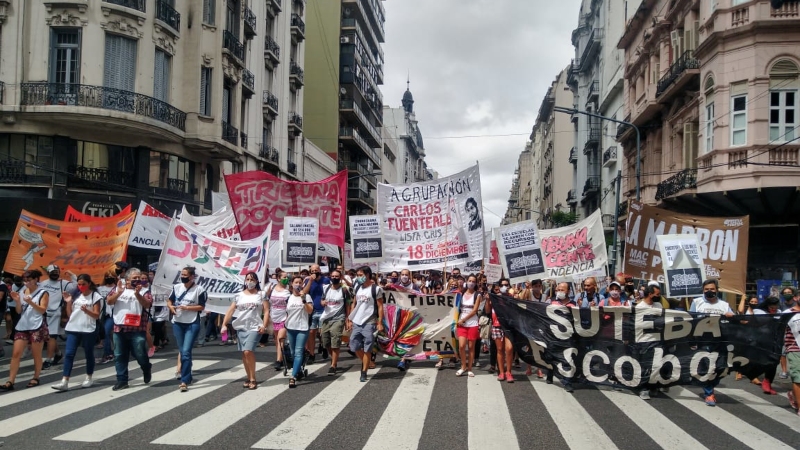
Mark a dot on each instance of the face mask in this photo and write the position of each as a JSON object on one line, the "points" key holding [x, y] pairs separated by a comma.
{"points": [[788, 297], [470, 285], [561, 295], [404, 279], [251, 284], [393, 280], [335, 280], [54, 276], [361, 279], [418, 283], [284, 281], [709, 295], [135, 283], [184, 280], [503, 289], [613, 294], [19, 285], [298, 288], [84, 288], [629, 288], [118, 271]]}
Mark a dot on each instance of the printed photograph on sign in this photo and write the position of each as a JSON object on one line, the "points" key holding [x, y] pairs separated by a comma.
{"points": [[367, 249], [683, 267], [520, 251], [366, 238], [300, 253]]}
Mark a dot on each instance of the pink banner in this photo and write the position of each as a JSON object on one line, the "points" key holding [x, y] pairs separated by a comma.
{"points": [[259, 198]]}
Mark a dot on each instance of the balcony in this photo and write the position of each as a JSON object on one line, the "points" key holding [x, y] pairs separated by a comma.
{"points": [[594, 92], [592, 136], [270, 154], [571, 197], [243, 139], [295, 76], [175, 189], [753, 14], [352, 111], [358, 11], [646, 107], [83, 95], [680, 73], [298, 28], [248, 83], [685, 179], [138, 5], [291, 167], [591, 186], [272, 53], [622, 128], [273, 8], [168, 16], [608, 222], [295, 124], [351, 137], [362, 196], [610, 156], [234, 48], [96, 178], [250, 23], [572, 79], [591, 49], [134, 9], [573, 155], [748, 168], [230, 133], [270, 105]]}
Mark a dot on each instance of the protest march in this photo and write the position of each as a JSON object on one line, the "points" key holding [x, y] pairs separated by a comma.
{"points": [[420, 281]]}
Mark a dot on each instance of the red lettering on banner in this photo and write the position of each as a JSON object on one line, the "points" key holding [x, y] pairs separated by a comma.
{"points": [[183, 235], [560, 251]]}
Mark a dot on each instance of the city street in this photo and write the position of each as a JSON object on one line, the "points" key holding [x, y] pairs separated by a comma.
{"points": [[419, 409]]}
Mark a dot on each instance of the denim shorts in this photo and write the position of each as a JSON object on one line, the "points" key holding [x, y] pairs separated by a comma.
{"points": [[315, 320]]}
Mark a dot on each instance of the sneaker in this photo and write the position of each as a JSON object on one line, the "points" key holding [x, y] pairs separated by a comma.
{"points": [[147, 374], [568, 387], [57, 358], [324, 353], [332, 371], [539, 373], [509, 377], [363, 376], [87, 383], [476, 364], [783, 375], [107, 359], [663, 390], [62, 386], [46, 365], [119, 386], [401, 366], [501, 377], [278, 365], [711, 400], [184, 387], [792, 400], [644, 394]]}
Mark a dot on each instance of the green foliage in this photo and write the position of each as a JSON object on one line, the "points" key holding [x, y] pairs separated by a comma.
{"points": [[562, 219]]}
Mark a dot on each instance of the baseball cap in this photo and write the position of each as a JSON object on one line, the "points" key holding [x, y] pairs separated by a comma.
{"points": [[53, 268], [614, 283], [654, 283]]}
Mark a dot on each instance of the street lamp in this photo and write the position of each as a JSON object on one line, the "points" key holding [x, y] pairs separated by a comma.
{"points": [[355, 177]]}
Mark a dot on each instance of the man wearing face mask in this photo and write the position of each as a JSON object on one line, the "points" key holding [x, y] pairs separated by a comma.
{"points": [[710, 304], [335, 296], [55, 287]]}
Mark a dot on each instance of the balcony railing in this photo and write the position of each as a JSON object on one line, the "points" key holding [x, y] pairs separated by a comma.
{"points": [[138, 5], [685, 179], [249, 81], [592, 184], [230, 133], [232, 45], [55, 94], [291, 167], [622, 128], [347, 104], [167, 14], [272, 52], [592, 137], [273, 7], [610, 156], [789, 8], [573, 155], [594, 91], [174, 188], [270, 103], [358, 194], [243, 137], [297, 23], [353, 132], [296, 72], [269, 153], [296, 120], [591, 49], [571, 197], [608, 220], [91, 177], [685, 62], [250, 22], [12, 172]]}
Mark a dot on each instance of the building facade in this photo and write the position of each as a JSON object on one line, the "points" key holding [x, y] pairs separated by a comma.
{"points": [[713, 86], [105, 103]]}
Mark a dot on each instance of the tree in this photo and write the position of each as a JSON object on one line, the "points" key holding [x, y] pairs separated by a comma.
{"points": [[562, 219]]}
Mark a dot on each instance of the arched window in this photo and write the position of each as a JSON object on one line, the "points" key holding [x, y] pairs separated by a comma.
{"points": [[784, 83], [708, 119]]}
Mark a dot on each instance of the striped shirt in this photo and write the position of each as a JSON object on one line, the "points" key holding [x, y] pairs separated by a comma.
{"points": [[792, 334]]}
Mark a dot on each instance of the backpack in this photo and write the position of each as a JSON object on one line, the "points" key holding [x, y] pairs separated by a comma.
{"points": [[374, 295]]}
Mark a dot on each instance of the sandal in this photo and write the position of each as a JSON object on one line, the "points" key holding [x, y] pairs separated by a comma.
{"points": [[460, 372], [253, 385], [246, 384], [33, 383], [292, 383], [470, 374], [9, 386]]}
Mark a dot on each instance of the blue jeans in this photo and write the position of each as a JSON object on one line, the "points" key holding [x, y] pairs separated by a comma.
{"points": [[108, 327], [708, 386], [297, 342], [125, 344], [185, 335], [85, 340]]}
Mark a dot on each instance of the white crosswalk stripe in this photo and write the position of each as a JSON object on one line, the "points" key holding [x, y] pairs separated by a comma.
{"points": [[761, 405], [482, 396]]}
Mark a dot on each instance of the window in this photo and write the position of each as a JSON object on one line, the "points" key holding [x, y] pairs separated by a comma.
{"points": [[120, 63], [784, 82], [226, 104], [65, 59], [739, 120], [709, 129], [114, 158], [171, 172], [205, 91], [35, 152], [209, 11], [161, 82], [739, 2]]}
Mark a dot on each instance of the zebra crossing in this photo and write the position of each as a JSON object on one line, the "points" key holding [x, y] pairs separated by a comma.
{"points": [[419, 409]]}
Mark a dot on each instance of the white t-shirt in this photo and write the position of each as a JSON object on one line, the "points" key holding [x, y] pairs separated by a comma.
{"points": [[794, 326], [277, 305], [195, 295], [126, 304], [334, 307], [104, 292], [718, 308], [55, 289], [364, 305], [248, 311], [30, 319], [655, 304], [467, 305], [79, 321], [296, 315]]}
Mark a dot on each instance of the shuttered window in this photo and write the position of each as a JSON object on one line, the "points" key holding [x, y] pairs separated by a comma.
{"points": [[120, 63], [209, 11], [226, 104], [161, 78], [205, 91]]}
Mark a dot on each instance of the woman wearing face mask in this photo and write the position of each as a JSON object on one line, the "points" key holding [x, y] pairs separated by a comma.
{"points": [[186, 302], [277, 296], [505, 350], [298, 309], [248, 324], [83, 313], [468, 330], [31, 305]]}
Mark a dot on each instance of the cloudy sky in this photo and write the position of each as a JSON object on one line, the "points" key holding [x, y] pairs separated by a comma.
{"points": [[478, 67]]}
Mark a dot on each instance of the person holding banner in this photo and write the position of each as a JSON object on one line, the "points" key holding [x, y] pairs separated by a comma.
{"points": [[186, 302], [505, 349], [277, 295], [366, 317], [248, 324], [710, 304], [468, 329], [130, 327], [299, 308], [31, 305]]}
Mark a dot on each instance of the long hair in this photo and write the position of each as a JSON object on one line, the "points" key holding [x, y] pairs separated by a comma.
{"points": [[88, 279]]}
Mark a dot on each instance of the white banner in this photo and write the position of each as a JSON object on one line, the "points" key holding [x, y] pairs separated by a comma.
{"points": [[300, 240], [575, 249], [427, 225], [150, 228], [683, 264], [220, 200], [520, 251], [366, 239], [220, 264], [221, 223]]}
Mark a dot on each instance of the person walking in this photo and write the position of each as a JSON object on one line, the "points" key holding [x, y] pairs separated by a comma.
{"points": [[249, 325], [277, 295], [130, 326], [468, 329], [54, 286], [366, 317], [334, 297], [299, 308], [186, 302], [84, 314], [710, 304], [31, 305]]}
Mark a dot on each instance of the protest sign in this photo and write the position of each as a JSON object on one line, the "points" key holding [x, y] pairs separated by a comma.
{"points": [[575, 249], [221, 223], [348, 260], [631, 347], [220, 264], [683, 266], [429, 224], [150, 228], [73, 215], [259, 199], [365, 238], [80, 247], [520, 251], [300, 235], [493, 272], [438, 314], [723, 244]]}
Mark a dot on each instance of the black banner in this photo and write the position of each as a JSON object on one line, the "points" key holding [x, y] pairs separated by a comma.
{"points": [[367, 248], [525, 263], [633, 347], [301, 253], [684, 282]]}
